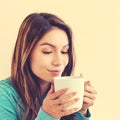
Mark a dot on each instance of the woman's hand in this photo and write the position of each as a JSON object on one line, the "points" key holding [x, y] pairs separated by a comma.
{"points": [[89, 97], [54, 104]]}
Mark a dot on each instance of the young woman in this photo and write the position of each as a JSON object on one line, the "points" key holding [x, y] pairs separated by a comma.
{"points": [[43, 50]]}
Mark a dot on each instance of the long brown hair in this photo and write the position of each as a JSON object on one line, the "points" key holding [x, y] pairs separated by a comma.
{"points": [[32, 29]]}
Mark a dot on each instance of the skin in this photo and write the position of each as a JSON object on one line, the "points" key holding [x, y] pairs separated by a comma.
{"points": [[49, 57], [48, 60]]}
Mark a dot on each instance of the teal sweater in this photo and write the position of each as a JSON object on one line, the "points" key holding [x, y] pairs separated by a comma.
{"points": [[12, 108]]}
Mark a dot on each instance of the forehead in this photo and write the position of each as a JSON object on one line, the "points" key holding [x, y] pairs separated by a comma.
{"points": [[56, 37]]}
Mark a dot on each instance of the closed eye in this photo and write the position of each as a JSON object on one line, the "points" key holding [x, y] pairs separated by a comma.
{"points": [[44, 52], [64, 52]]}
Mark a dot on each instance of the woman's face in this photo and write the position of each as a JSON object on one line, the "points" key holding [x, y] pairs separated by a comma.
{"points": [[49, 57]]}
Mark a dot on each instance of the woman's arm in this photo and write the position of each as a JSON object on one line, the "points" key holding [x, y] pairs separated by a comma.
{"points": [[42, 115], [7, 105], [80, 116]]}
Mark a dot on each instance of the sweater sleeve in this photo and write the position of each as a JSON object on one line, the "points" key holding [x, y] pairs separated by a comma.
{"points": [[7, 107], [42, 115], [81, 117]]}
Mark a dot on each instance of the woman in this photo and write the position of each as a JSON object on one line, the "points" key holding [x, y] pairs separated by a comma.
{"points": [[43, 50]]}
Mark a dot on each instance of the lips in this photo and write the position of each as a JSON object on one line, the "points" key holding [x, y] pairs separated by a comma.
{"points": [[55, 72]]}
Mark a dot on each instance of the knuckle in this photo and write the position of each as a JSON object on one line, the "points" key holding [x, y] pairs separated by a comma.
{"points": [[62, 107], [60, 100]]}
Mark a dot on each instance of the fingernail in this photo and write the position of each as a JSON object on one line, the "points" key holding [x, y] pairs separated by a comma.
{"points": [[66, 89], [74, 93], [77, 99], [76, 109]]}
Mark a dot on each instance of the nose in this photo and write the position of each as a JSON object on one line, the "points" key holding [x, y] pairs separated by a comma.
{"points": [[57, 60]]}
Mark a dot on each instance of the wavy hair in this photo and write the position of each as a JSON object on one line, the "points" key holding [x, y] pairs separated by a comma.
{"points": [[32, 29]]}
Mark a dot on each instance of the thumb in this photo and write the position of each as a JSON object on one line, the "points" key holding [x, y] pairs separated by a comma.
{"points": [[88, 83]]}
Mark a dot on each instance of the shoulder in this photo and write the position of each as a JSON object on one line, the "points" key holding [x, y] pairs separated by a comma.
{"points": [[6, 82], [8, 92], [6, 86], [10, 102]]}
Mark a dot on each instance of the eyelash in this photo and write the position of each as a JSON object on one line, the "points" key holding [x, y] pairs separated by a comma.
{"points": [[51, 52], [47, 52], [64, 52]]}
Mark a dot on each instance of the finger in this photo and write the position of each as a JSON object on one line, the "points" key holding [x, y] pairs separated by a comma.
{"points": [[88, 101], [58, 93], [65, 98], [88, 83], [68, 104], [90, 89], [68, 112], [89, 95]]}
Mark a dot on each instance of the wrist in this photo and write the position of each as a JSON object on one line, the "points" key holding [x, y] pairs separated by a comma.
{"points": [[84, 112]]}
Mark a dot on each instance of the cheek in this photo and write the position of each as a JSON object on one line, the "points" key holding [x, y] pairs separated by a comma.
{"points": [[34, 63], [34, 66], [37, 68], [66, 60], [38, 63]]}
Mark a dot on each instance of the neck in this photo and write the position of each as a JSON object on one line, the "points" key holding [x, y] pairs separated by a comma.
{"points": [[44, 86]]}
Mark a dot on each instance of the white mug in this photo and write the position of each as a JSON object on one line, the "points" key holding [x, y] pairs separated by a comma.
{"points": [[74, 84]]}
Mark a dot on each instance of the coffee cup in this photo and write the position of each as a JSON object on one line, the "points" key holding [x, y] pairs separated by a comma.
{"points": [[74, 84]]}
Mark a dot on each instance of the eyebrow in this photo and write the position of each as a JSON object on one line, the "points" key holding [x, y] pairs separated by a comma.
{"points": [[49, 44]]}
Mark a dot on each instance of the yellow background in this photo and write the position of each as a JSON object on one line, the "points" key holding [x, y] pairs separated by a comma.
{"points": [[96, 28]]}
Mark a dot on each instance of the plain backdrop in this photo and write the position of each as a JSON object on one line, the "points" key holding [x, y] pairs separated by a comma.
{"points": [[96, 29]]}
